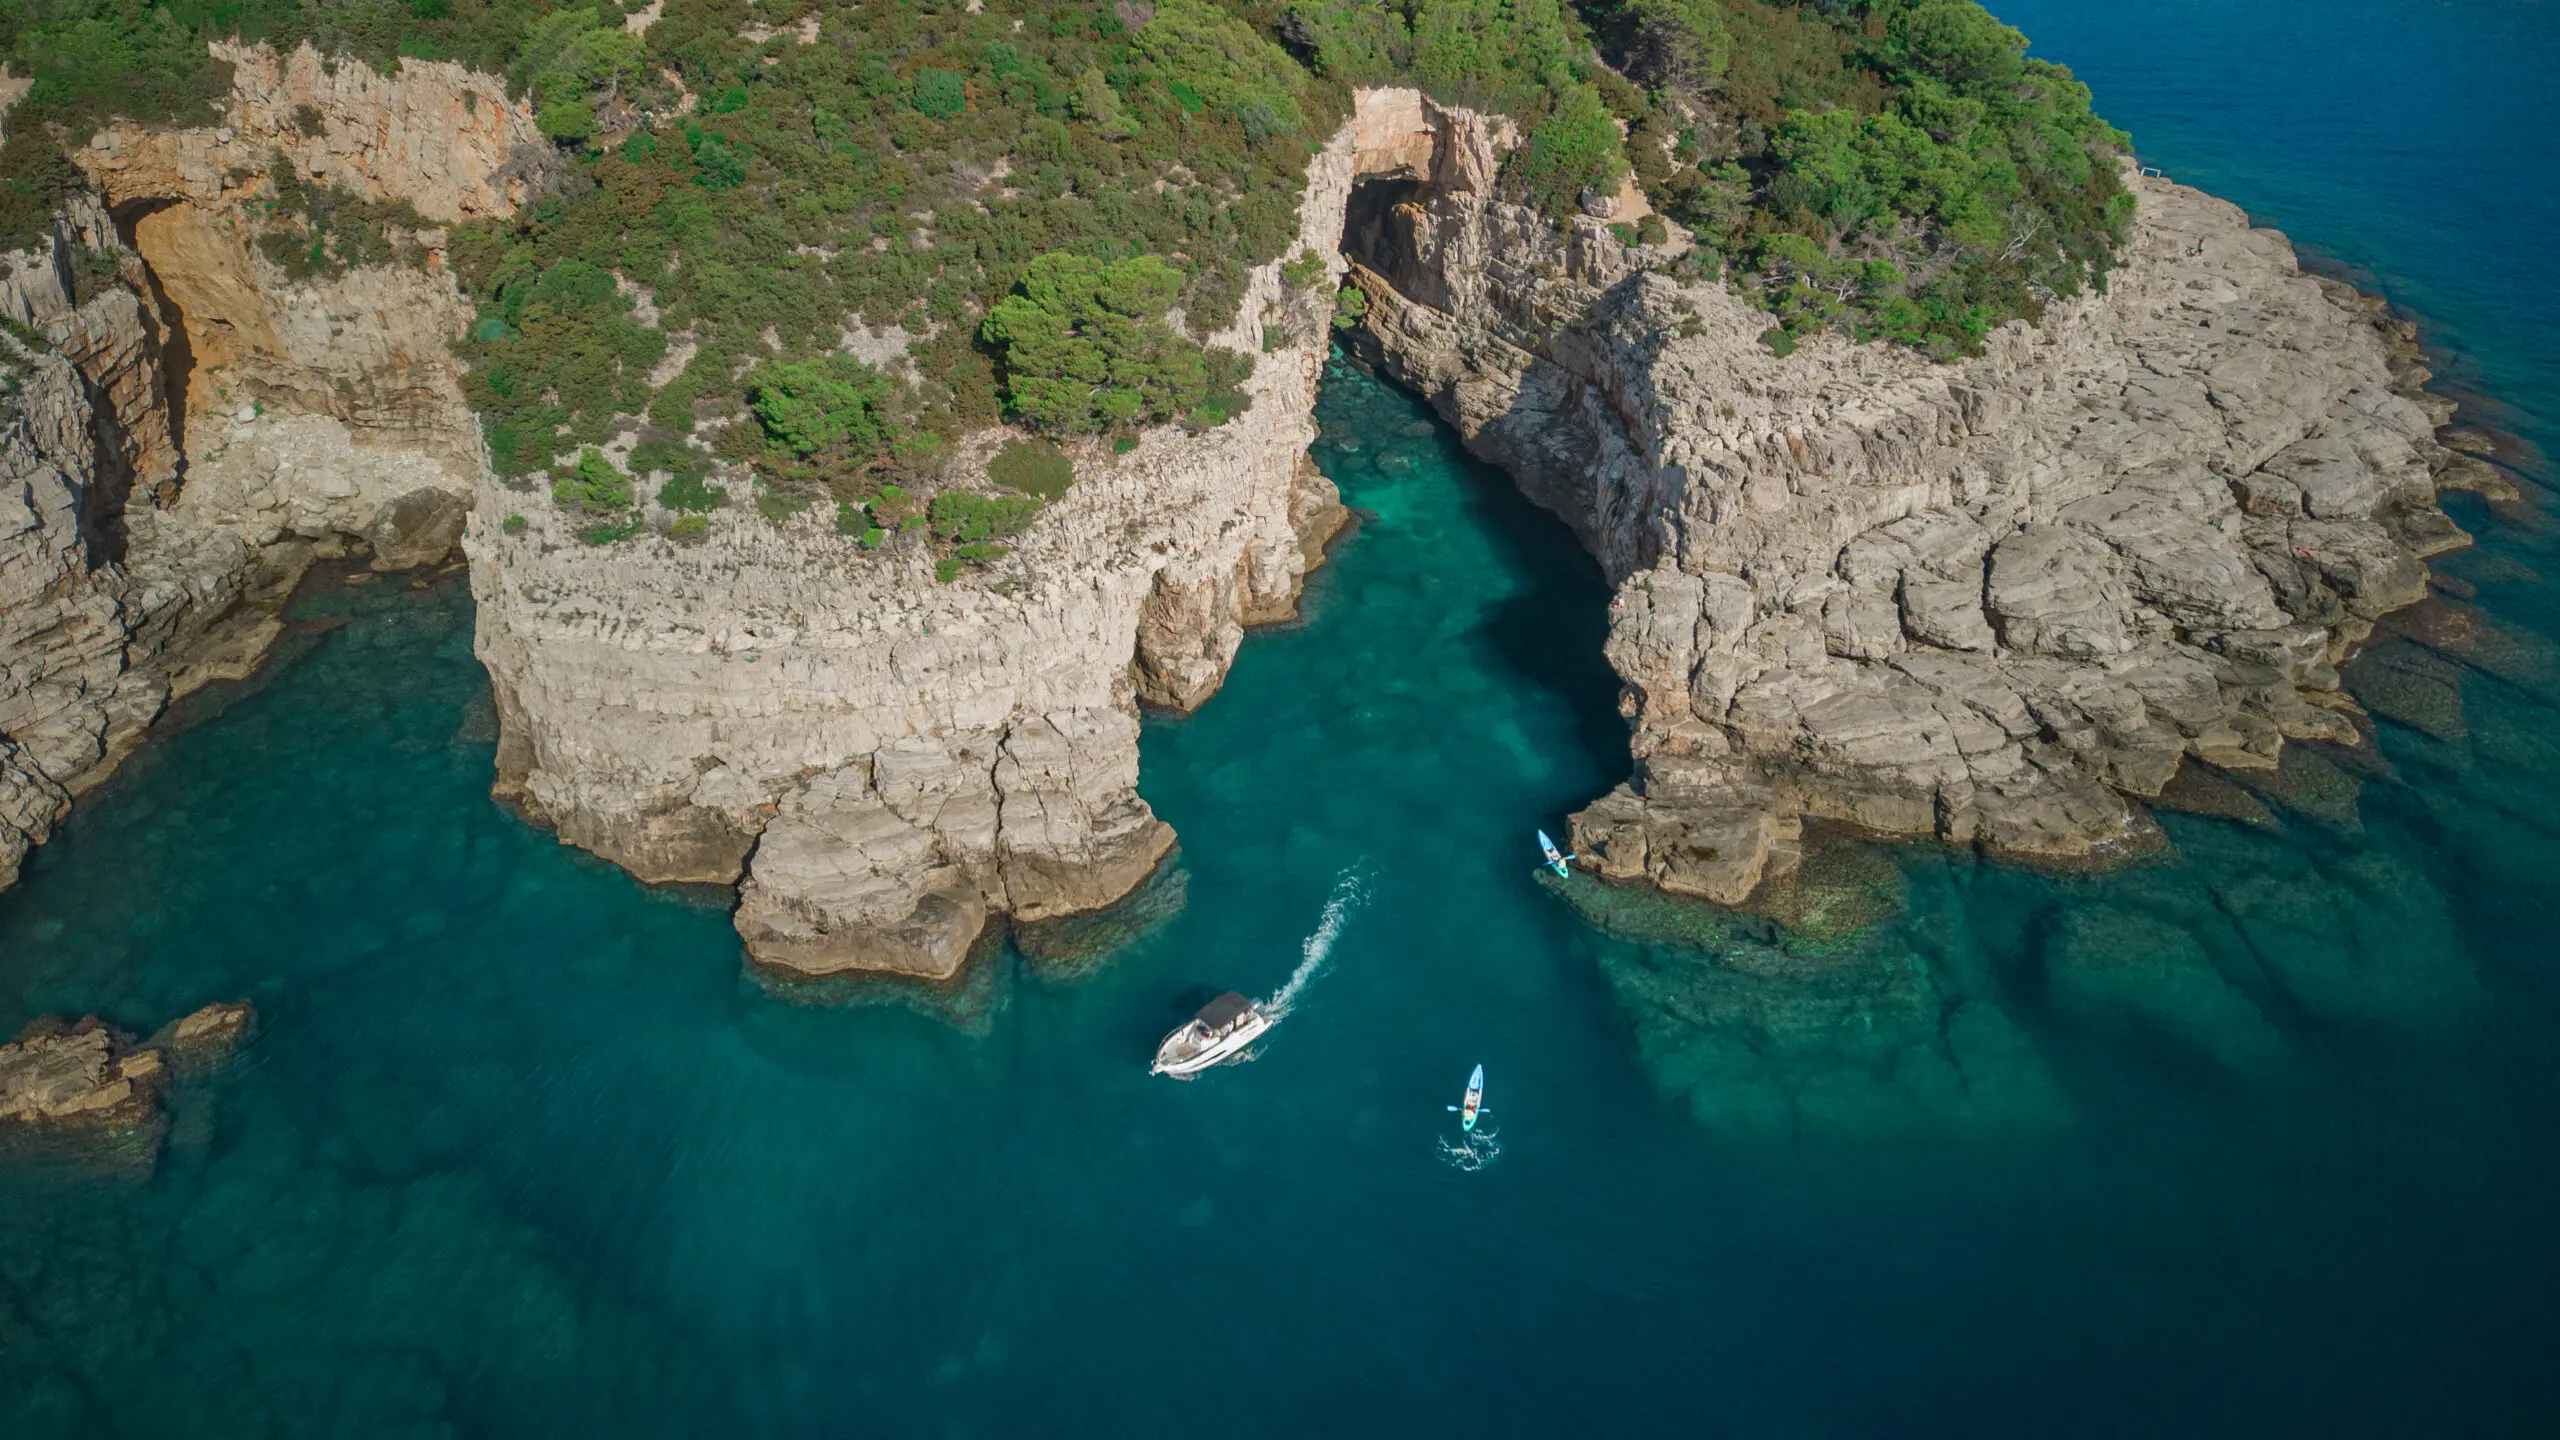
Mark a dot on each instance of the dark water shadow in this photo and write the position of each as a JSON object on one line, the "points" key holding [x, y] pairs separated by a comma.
{"points": [[1548, 637]]}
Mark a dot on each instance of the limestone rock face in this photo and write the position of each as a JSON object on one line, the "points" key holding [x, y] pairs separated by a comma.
{"points": [[197, 429], [433, 135], [1986, 601], [889, 761], [99, 601]]}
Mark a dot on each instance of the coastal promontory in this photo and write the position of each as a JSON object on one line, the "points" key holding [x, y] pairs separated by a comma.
{"points": [[852, 415]]}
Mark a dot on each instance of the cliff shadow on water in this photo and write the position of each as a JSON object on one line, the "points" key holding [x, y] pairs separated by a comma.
{"points": [[1546, 634], [1543, 623]]}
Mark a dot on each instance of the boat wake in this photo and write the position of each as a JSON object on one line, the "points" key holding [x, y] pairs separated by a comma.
{"points": [[1471, 1152], [1350, 888]]}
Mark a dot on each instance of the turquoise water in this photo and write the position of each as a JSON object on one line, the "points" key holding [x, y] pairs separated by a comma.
{"points": [[2256, 1141]]}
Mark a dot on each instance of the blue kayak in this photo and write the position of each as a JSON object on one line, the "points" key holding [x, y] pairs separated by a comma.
{"points": [[1555, 857]]}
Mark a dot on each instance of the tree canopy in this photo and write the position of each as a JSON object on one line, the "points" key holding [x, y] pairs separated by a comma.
{"points": [[1085, 346]]}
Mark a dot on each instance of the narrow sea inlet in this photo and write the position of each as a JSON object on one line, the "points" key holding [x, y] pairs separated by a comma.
{"points": [[2256, 1139]]}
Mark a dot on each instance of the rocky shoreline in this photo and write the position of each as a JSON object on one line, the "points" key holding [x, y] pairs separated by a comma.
{"points": [[1999, 602]]}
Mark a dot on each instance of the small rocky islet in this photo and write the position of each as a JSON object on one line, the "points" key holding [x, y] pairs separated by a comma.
{"points": [[84, 1075]]}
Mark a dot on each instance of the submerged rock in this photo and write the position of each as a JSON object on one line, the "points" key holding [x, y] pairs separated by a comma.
{"points": [[2405, 682], [1871, 1044], [2199, 789], [2366, 941], [2310, 783], [1648, 916], [1840, 889], [2111, 969], [1075, 945]]}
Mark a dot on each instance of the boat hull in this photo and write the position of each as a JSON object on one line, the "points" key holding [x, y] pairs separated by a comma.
{"points": [[1174, 1057]]}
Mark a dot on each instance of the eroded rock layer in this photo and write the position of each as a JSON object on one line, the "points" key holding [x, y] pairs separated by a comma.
{"points": [[888, 760], [1986, 601]]}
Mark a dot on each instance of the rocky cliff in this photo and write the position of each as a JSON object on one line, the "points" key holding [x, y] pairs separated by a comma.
{"points": [[889, 761], [1997, 601], [186, 428], [1994, 602]]}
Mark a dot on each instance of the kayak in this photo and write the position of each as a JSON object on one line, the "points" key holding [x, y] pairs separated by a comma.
{"points": [[1475, 1100], [1555, 857]]}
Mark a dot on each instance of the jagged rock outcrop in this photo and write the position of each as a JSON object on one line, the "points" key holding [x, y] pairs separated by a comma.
{"points": [[197, 428], [77, 1073], [887, 760], [1986, 601], [81, 1072]]}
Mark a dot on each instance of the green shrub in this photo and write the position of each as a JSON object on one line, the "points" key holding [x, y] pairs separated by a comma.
{"points": [[1222, 60], [946, 571], [779, 502], [686, 487], [1349, 304], [608, 532], [1351, 42], [851, 519], [1683, 44], [832, 408], [512, 525], [593, 486], [716, 166], [318, 230], [689, 528], [1303, 270], [958, 516], [1033, 467], [1573, 153], [939, 93]]}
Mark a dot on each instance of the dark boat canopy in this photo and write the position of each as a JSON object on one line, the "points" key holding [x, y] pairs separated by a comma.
{"points": [[1224, 1011]]}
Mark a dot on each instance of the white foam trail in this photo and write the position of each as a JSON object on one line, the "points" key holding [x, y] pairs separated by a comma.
{"points": [[1348, 891], [1472, 1151]]}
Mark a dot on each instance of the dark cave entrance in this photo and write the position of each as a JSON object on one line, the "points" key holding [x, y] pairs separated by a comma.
{"points": [[1373, 234]]}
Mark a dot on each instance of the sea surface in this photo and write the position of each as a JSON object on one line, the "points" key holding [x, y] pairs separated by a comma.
{"points": [[2262, 1139]]}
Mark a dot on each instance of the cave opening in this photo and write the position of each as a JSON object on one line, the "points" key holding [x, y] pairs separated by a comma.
{"points": [[1373, 234]]}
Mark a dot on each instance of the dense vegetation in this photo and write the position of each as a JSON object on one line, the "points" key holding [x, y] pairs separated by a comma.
{"points": [[1048, 205], [1898, 169]]}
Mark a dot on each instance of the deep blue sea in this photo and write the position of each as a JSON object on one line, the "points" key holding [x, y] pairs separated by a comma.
{"points": [[2259, 1140]]}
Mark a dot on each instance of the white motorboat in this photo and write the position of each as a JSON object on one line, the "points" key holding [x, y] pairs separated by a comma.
{"points": [[1218, 1034]]}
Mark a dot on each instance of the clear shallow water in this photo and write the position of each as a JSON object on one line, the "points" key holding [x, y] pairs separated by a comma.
{"points": [[2255, 1142]]}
